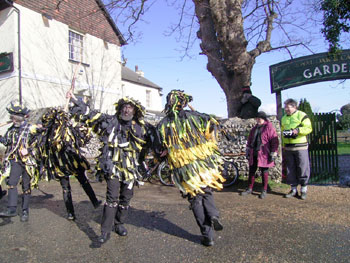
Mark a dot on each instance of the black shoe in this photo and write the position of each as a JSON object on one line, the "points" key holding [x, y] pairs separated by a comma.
{"points": [[263, 194], [3, 193], [121, 230], [103, 238], [216, 224], [291, 194], [25, 216], [303, 195], [8, 213], [208, 242], [71, 216], [247, 192], [97, 204]]}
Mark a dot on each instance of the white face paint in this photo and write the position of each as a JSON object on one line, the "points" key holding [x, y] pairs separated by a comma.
{"points": [[127, 112]]}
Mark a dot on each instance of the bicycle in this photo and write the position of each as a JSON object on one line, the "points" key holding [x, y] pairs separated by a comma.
{"points": [[230, 170], [159, 170]]}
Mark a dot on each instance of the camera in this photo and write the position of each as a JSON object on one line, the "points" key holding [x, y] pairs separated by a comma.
{"points": [[289, 134]]}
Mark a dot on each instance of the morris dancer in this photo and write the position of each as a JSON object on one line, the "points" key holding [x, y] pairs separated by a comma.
{"points": [[123, 136], [189, 140]]}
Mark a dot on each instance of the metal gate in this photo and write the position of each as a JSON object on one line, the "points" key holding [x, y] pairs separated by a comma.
{"points": [[323, 149]]}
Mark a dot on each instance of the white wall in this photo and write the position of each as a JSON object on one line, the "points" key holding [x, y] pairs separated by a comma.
{"points": [[139, 92], [46, 70]]}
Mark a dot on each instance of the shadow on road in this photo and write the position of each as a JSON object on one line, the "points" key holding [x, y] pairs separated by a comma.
{"points": [[155, 220]]}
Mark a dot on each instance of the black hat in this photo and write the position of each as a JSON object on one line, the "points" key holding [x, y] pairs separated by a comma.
{"points": [[262, 115], [17, 109]]}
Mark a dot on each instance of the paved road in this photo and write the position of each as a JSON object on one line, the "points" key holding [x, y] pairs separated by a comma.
{"points": [[162, 228]]}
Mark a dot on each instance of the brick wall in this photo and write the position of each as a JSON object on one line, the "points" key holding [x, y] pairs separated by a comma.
{"points": [[83, 15]]}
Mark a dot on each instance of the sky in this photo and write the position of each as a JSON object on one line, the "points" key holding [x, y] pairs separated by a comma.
{"points": [[158, 57]]}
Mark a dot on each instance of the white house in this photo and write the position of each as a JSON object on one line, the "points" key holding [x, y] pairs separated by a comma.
{"points": [[135, 85], [46, 45]]}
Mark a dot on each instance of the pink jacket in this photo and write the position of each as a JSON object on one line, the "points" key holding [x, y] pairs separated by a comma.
{"points": [[269, 143]]}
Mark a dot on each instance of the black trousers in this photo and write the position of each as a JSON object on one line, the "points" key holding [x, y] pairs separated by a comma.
{"points": [[203, 208], [17, 172], [67, 194], [118, 197]]}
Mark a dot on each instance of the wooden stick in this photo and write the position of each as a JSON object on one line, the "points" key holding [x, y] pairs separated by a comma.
{"points": [[5, 123], [192, 109]]}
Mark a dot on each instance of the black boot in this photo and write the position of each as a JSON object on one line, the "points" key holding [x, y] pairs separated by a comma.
{"points": [[25, 216], [122, 213], [103, 238], [68, 201], [121, 230], [109, 211], [216, 223], [207, 241], [10, 212]]}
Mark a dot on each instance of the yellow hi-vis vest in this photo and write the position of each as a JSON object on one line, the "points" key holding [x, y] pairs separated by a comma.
{"points": [[298, 120]]}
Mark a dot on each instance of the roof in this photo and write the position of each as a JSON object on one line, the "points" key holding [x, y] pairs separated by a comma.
{"points": [[111, 22], [87, 16], [132, 76]]}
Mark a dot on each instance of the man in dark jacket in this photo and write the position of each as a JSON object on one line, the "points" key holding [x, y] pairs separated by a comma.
{"points": [[250, 104], [123, 136]]}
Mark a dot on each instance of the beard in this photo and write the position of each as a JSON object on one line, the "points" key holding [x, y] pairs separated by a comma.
{"points": [[126, 116]]}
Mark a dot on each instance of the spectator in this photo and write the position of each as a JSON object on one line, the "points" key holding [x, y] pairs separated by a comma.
{"points": [[249, 104], [261, 151], [295, 126]]}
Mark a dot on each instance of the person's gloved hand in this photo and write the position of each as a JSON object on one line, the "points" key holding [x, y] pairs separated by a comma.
{"points": [[273, 156], [247, 151]]}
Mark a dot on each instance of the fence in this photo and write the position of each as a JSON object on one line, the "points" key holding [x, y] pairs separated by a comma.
{"points": [[323, 149]]}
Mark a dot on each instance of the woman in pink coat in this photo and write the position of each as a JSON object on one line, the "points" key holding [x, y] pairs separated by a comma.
{"points": [[261, 151]]}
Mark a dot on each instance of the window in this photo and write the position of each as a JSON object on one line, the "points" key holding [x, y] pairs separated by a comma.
{"points": [[148, 98], [76, 46]]}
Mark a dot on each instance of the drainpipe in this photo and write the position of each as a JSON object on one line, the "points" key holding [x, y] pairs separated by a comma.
{"points": [[19, 52]]}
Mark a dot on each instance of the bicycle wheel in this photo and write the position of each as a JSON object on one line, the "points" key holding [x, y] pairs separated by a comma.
{"points": [[230, 173], [164, 175]]}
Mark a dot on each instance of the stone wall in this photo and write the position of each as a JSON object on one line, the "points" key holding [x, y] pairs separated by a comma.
{"points": [[239, 129]]}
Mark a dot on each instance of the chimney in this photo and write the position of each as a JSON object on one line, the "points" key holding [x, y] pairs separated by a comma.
{"points": [[139, 72]]}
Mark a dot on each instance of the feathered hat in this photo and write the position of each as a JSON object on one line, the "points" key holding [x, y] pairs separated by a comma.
{"points": [[139, 109], [176, 100]]}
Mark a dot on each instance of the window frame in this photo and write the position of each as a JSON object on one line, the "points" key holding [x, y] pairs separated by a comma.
{"points": [[80, 45]]}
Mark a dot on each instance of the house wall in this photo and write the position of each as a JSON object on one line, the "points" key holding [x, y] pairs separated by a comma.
{"points": [[138, 92], [46, 69]]}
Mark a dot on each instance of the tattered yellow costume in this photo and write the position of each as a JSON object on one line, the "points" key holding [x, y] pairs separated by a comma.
{"points": [[193, 156]]}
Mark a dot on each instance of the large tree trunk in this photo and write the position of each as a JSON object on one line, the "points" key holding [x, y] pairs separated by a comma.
{"points": [[223, 41]]}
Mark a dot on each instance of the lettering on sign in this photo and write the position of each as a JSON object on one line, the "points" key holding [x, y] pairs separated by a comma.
{"points": [[309, 69]]}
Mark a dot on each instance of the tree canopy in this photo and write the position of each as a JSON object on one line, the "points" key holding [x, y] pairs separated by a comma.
{"points": [[336, 21]]}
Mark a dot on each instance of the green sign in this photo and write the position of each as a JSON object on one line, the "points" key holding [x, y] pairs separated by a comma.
{"points": [[309, 69], [6, 62]]}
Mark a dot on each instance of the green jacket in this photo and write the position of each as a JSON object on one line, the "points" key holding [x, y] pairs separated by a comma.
{"points": [[298, 120]]}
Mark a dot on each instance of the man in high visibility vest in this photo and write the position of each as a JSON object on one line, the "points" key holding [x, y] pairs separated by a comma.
{"points": [[295, 126]]}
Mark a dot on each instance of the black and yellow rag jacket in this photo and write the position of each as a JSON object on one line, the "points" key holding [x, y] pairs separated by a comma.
{"points": [[16, 139], [122, 141], [60, 146], [193, 156]]}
